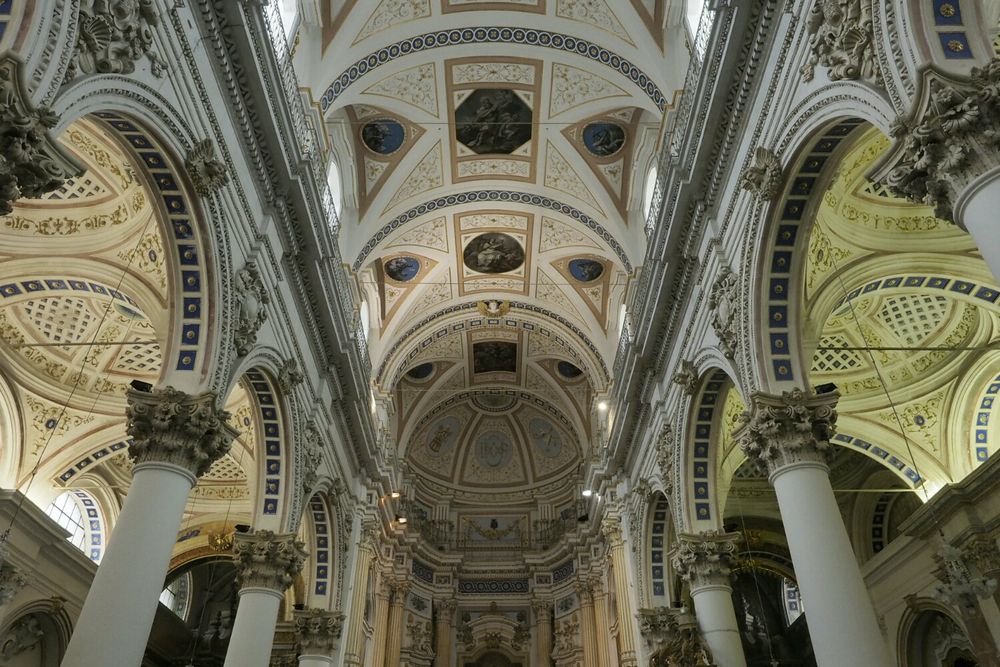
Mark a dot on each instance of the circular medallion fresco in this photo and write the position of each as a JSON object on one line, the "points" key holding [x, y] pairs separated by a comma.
{"points": [[585, 270], [421, 371], [493, 449], [493, 252], [402, 269], [568, 370], [383, 136], [442, 435], [545, 436], [603, 139]]}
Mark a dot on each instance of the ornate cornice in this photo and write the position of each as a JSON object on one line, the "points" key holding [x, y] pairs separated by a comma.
{"points": [[268, 560], [792, 428], [170, 426]]}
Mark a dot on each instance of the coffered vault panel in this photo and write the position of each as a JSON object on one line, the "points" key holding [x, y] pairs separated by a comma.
{"points": [[492, 240]]}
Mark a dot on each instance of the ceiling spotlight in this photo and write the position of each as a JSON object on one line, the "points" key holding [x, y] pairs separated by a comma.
{"points": [[602, 406], [395, 494], [401, 520], [587, 493]]}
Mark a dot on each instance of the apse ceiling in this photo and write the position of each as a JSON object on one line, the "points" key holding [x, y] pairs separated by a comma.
{"points": [[491, 157]]}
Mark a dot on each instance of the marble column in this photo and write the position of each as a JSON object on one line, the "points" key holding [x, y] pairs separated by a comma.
{"points": [[380, 635], [607, 653], [317, 631], [946, 154], [397, 603], [354, 649], [703, 560], [612, 531], [790, 435], [588, 627], [175, 438], [542, 610], [444, 615], [266, 565]]}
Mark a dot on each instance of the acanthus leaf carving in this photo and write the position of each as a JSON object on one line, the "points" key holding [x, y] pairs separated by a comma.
{"points": [[290, 376], [673, 637], [318, 630], [793, 427], [705, 558], [687, 377], [31, 162], [265, 559], [842, 39], [114, 35]]}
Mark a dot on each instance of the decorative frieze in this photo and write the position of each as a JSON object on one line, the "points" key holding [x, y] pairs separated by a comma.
{"points": [[317, 630], [842, 39], [763, 177], [687, 377], [706, 558], [170, 426], [208, 173], [114, 35], [722, 301], [252, 300], [265, 559], [791, 428], [951, 138], [31, 162]]}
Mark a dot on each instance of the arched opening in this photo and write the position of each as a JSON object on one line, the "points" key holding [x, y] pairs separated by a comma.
{"points": [[935, 639], [78, 513]]}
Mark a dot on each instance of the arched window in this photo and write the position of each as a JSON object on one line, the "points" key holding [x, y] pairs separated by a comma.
{"points": [[177, 595], [289, 16], [648, 191], [78, 514], [333, 180]]}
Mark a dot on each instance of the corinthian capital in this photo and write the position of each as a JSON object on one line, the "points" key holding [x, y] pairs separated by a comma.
{"points": [[318, 630], [267, 560], [611, 529], [705, 559], [31, 161], [169, 426], [791, 428], [951, 139]]}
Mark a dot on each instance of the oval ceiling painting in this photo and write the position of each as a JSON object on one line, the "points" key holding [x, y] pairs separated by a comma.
{"points": [[402, 269], [442, 435], [383, 136], [493, 449], [493, 252], [568, 370], [421, 372], [545, 436], [585, 270], [603, 139]]}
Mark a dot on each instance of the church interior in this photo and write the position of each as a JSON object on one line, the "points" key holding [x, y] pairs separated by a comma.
{"points": [[499, 333]]}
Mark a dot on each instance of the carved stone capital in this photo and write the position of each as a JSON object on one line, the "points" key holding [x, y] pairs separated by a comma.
{"points": [[584, 592], [444, 610], [842, 39], [114, 35], [32, 163], [542, 610], [611, 529], [958, 586], [207, 171], [794, 427], [951, 138], [723, 302], [267, 560], [252, 300], [317, 630], [687, 377], [398, 590], [705, 559], [763, 177], [170, 426], [673, 637]]}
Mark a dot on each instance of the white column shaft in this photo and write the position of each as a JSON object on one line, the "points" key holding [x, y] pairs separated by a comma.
{"points": [[713, 605], [842, 622], [315, 661], [114, 625], [253, 630], [979, 213]]}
